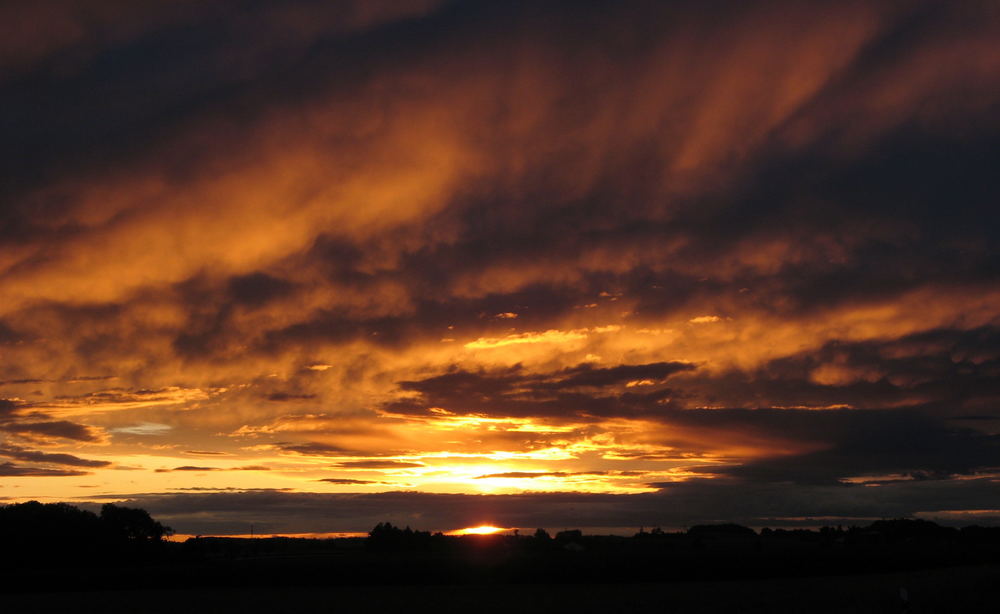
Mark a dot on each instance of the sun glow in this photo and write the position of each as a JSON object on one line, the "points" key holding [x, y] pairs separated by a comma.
{"points": [[480, 530]]}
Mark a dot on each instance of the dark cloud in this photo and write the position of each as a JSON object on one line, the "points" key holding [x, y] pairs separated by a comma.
{"points": [[8, 335], [288, 396], [197, 468], [257, 289], [591, 376], [523, 474], [563, 394], [7, 407], [313, 448], [842, 443], [56, 428], [378, 464], [678, 505], [875, 444], [140, 71], [12, 470], [538, 474], [949, 371], [22, 454], [345, 481], [849, 238], [845, 443]]}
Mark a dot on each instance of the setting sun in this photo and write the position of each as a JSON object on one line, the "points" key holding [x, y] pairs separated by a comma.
{"points": [[480, 530]]}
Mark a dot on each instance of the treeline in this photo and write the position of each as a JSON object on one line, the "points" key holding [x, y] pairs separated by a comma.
{"points": [[60, 547], [387, 538], [59, 534], [900, 531], [703, 552]]}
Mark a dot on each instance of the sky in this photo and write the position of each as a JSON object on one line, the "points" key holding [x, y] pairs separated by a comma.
{"points": [[316, 265]]}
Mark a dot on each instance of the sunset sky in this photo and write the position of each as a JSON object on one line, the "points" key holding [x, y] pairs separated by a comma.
{"points": [[316, 265]]}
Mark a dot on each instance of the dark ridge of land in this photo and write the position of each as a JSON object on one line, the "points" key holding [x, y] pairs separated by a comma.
{"points": [[951, 590], [568, 558], [56, 548]]}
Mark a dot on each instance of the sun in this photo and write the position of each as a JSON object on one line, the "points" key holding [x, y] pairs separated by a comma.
{"points": [[480, 530]]}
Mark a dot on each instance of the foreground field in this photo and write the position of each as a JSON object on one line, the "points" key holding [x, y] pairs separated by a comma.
{"points": [[958, 589]]}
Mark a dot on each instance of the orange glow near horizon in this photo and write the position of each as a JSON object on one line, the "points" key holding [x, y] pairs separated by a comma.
{"points": [[183, 537], [480, 530]]}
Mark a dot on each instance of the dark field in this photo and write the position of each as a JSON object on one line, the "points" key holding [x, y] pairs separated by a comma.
{"points": [[959, 589], [890, 566]]}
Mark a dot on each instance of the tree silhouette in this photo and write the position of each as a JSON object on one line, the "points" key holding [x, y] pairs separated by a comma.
{"points": [[386, 537], [34, 533], [132, 524]]}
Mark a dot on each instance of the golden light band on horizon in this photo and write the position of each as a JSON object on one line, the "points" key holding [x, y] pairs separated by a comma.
{"points": [[480, 530]]}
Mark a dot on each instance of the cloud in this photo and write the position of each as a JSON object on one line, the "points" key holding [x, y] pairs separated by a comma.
{"points": [[256, 289], [143, 429], [22, 454], [944, 369], [587, 375], [195, 468], [753, 243], [871, 443], [61, 429], [7, 407], [12, 470], [516, 392], [286, 396], [677, 506], [378, 464], [315, 449], [537, 474]]}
